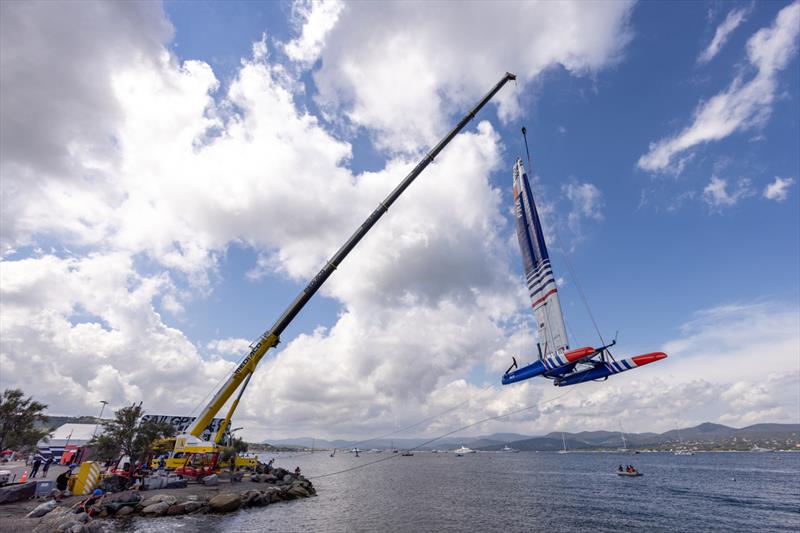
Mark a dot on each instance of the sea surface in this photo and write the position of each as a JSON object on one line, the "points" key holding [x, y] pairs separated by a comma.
{"points": [[527, 491]]}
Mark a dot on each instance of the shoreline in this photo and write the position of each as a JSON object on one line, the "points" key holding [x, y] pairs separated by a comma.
{"points": [[256, 490]]}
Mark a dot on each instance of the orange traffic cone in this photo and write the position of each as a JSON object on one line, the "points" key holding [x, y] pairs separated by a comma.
{"points": [[24, 477]]}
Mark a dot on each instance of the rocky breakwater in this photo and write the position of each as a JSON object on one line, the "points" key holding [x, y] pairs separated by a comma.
{"points": [[278, 486]]}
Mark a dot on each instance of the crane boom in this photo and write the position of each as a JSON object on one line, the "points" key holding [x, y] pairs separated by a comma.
{"points": [[271, 337]]}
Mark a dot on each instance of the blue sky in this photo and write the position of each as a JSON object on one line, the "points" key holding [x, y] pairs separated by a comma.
{"points": [[227, 149]]}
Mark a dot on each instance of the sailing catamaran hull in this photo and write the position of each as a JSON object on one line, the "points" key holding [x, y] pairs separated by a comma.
{"points": [[606, 369], [552, 366]]}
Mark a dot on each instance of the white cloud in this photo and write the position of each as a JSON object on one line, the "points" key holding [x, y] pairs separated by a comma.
{"points": [[314, 18], [192, 169], [79, 330], [744, 104], [587, 203], [59, 114], [724, 30], [778, 190], [718, 197], [401, 71], [229, 346]]}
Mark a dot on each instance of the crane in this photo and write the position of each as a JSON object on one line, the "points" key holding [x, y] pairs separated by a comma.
{"points": [[190, 441]]}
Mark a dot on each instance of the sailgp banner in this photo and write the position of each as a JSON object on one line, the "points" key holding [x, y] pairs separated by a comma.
{"points": [[181, 424]]}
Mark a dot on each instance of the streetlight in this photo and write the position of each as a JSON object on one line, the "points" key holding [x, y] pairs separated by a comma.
{"points": [[99, 417], [230, 436]]}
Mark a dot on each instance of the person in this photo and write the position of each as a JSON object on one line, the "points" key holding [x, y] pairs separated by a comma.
{"points": [[37, 462], [620, 468], [46, 466], [162, 463], [62, 480], [297, 471], [86, 505]]}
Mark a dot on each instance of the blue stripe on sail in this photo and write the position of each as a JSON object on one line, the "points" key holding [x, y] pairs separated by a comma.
{"points": [[537, 235], [543, 287]]}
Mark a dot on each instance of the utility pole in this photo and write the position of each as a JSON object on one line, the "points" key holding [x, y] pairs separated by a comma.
{"points": [[102, 408]]}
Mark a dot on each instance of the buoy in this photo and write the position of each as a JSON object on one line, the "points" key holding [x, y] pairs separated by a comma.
{"points": [[24, 477]]}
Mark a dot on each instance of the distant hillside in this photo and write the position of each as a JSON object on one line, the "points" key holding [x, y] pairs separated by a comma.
{"points": [[57, 421], [706, 436]]}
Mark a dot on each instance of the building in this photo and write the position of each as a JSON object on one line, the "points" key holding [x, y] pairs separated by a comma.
{"points": [[69, 437]]}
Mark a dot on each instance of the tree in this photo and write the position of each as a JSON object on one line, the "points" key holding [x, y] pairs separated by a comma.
{"points": [[125, 435], [229, 453], [18, 418]]}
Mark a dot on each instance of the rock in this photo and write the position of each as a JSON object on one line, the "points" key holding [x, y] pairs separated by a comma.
{"points": [[176, 509], [16, 493], [77, 528], [95, 527], [192, 506], [176, 483], [268, 478], [298, 490], [211, 481], [42, 509], [159, 498], [66, 525], [83, 518], [114, 483], [279, 472], [125, 511], [225, 502], [157, 509], [250, 498]]}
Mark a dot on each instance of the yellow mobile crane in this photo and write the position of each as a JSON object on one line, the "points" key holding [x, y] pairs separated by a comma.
{"points": [[190, 442]]}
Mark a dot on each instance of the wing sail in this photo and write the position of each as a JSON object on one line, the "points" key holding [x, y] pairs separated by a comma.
{"points": [[538, 272]]}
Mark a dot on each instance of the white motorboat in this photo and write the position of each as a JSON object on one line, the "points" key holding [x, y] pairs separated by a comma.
{"points": [[461, 452]]}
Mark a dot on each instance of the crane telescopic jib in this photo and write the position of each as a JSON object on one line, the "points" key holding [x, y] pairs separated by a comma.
{"points": [[271, 337]]}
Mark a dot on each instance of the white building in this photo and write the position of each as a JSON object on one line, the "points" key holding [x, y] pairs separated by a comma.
{"points": [[70, 435]]}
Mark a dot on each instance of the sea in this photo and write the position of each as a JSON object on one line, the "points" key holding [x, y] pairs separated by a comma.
{"points": [[526, 491]]}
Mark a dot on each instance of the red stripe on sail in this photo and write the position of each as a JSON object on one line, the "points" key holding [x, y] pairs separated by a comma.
{"points": [[543, 298]]}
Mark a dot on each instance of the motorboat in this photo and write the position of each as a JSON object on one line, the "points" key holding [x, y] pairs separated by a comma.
{"points": [[461, 452], [507, 449]]}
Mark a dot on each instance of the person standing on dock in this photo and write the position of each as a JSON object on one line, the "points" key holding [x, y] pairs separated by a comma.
{"points": [[46, 467], [37, 462]]}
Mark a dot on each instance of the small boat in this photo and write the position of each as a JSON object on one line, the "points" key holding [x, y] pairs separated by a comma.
{"points": [[507, 449], [630, 474], [461, 452], [683, 452], [407, 454]]}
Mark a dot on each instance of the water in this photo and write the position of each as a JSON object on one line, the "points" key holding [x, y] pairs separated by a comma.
{"points": [[490, 492]]}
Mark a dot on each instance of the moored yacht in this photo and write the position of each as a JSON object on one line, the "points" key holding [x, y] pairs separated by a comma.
{"points": [[461, 452]]}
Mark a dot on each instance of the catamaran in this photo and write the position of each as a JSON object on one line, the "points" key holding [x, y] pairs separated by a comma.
{"points": [[556, 360]]}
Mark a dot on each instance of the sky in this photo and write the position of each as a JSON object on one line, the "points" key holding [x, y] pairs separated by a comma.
{"points": [[171, 175]]}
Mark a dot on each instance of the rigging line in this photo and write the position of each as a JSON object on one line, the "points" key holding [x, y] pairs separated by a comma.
{"points": [[355, 444], [213, 389], [564, 253], [488, 419]]}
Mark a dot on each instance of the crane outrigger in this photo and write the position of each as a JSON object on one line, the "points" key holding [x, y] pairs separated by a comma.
{"points": [[190, 442]]}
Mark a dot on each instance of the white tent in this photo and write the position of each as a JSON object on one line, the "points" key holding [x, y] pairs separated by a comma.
{"points": [[73, 434]]}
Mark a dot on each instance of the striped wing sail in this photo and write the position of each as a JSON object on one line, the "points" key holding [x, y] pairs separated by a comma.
{"points": [[538, 273]]}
